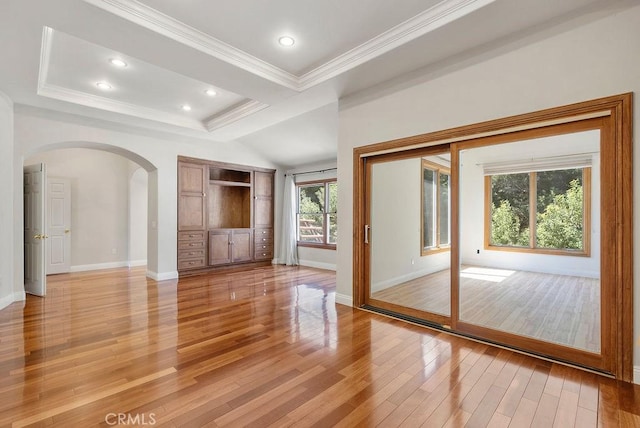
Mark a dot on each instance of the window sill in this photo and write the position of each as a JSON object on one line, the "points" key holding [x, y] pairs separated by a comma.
{"points": [[435, 250], [319, 246], [545, 251]]}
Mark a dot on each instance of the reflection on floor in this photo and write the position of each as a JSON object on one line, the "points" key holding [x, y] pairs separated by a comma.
{"points": [[556, 308], [268, 347]]}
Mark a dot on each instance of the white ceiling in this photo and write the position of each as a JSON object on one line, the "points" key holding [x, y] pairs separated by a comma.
{"points": [[270, 98], [322, 29]]}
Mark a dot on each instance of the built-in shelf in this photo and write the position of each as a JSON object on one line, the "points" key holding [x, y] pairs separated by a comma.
{"points": [[228, 175], [222, 208], [229, 183]]}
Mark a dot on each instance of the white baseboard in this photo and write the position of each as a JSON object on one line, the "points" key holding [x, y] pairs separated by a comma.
{"points": [[134, 263], [400, 279], [98, 266], [162, 276], [636, 375], [541, 268], [18, 296], [6, 301], [343, 299], [319, 265]]}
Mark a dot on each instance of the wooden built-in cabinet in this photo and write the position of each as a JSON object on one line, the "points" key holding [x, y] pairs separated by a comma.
{"points": [[263, 199], [225, 215], [263, 239], [193, 179], [230, 246]]}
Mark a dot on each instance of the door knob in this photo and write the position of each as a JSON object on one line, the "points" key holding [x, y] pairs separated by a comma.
{"points": [[67, 231]]}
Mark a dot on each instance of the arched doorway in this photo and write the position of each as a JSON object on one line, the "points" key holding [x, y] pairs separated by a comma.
{"points": [[130, 195]]}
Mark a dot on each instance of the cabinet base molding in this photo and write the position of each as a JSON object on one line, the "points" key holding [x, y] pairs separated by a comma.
{"points": [[225, 268]]}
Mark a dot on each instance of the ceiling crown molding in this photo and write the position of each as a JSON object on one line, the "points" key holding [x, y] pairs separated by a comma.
{"points": [[435, 17], [95, 101], [234, 114], [160, 23], [49, 90], [431, 19]]}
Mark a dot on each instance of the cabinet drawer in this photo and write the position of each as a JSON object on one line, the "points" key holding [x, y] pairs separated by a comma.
{"points": [[263, 233], [263, 240], [190, 254], [263, 255], [191, 236], [191, 263], [264, 246], [189, 245]]}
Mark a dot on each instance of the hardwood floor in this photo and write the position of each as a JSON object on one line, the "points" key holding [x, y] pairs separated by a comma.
{"points": [[556, 308], [268, 347]]}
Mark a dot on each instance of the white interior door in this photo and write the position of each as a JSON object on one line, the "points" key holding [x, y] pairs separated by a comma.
{"points": [[35, 281], [58, 225]]}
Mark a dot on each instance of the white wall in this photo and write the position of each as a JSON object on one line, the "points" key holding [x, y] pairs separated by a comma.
{"points": [[395, 225], [138, 187], [315, 257], [39, 131], [472, 221], [100, 205], [8, 292], [563, 66]]}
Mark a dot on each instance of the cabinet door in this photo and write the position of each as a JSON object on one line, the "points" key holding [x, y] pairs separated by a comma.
{"points": [[192, 181], [263, 184], [263, 199], [242, 245], [219, 247]]}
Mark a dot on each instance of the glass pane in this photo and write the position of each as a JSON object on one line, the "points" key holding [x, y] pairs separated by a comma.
{"points": [[311, 199], [403, 194], [510, 210], [531, 292], [429, 226], [333, 197], [444, 207], [560, 209], [333, 229], [311, 228]]}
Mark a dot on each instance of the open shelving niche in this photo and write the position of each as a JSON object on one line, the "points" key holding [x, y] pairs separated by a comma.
{"points": [[234, 188]]}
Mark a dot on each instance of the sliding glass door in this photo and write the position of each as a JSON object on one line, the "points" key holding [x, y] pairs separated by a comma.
{"points": [[409, 235], [529, 271], [521, 238]]}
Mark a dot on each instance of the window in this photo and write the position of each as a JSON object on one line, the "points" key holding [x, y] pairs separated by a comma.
{"points": [[318, 213], [436, 217], [539, 211]]}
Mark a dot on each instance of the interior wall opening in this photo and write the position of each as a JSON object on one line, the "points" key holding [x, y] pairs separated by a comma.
{"points": [[105, 223]]}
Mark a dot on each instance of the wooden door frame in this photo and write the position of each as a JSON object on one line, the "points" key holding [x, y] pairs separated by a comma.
{"points": [[618, 109], [440, 320]]}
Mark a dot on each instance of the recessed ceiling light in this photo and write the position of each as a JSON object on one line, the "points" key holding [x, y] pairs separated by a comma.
{"points": [[211, 92], [118, 62], [186, 107], [286, 41], [103, 85]]}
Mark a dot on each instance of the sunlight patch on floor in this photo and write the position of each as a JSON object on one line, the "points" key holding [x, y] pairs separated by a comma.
{"points": [[486, 274]]}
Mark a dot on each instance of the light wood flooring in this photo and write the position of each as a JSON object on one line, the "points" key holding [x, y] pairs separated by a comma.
{"points": [[268, 347], [555, 308]]}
